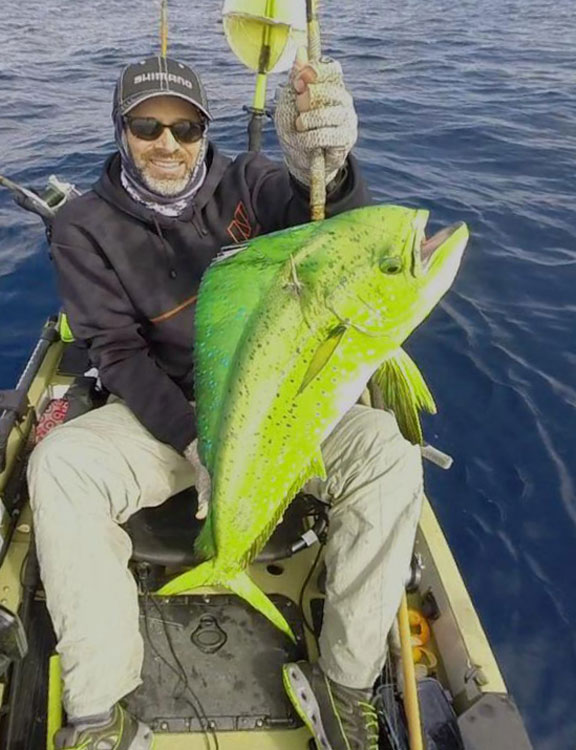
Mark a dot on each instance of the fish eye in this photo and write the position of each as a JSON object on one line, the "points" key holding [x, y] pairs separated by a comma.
{"points": [[391, 266]]}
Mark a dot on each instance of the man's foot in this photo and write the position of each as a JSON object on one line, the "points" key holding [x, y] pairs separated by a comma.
{"points": [[119, 732], [340, 718]]}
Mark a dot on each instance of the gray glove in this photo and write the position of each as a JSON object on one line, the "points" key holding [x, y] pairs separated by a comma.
{"points": [[314, 110], [202, 481]]}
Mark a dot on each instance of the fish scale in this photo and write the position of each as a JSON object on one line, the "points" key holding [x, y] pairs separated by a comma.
{"points": [[289, 331]]}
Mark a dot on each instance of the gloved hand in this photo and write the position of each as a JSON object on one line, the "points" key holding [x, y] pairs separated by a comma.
{"points": [[203, 481], [314, 110]]}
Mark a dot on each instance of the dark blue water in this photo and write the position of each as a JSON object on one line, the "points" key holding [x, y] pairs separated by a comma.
{"points": [[468, 109]]}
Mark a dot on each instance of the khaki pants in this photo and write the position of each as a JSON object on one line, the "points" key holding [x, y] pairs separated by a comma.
{"points": [[92, 474]]}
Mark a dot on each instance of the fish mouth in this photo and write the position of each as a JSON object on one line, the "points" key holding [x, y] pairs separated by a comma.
{"points": [[426, 248], [429, 246]]}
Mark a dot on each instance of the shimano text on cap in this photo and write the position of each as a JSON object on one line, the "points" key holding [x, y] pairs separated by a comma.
{"points": [[160, 76]]}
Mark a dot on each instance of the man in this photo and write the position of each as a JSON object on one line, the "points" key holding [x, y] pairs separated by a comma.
{"points": [[130, 255]]}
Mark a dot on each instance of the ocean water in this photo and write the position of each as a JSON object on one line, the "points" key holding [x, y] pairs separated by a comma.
{"points": [[468, 109]]}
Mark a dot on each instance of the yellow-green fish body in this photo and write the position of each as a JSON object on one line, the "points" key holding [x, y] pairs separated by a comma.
{"points": [[289, 330]]}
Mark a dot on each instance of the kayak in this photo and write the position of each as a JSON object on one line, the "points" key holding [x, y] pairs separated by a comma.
{"points": [[212, 674]]}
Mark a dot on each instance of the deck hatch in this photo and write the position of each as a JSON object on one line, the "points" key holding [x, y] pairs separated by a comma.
{"points": [[247, 655]]}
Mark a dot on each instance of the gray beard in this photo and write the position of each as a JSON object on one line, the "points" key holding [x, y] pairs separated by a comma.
{"points": [[167, 188]]}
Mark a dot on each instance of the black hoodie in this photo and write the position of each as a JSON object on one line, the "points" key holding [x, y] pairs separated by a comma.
{"points": [[129, 276]]}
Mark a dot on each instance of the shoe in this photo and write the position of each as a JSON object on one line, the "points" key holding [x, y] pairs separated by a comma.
{"points": [[121, 732], [339, 718]]}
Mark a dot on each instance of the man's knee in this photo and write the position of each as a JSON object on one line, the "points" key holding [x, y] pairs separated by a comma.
{"points": [[58, 446], [378, 456], [63, 456], [378, 436]]}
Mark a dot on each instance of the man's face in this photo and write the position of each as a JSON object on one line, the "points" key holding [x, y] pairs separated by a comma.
{"points": [[165, 164]]}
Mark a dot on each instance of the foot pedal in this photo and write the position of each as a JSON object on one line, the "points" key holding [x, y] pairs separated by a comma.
{"points": [[304, 701]]}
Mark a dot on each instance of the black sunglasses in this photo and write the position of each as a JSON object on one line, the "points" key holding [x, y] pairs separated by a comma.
{"points": [[149, 129]]}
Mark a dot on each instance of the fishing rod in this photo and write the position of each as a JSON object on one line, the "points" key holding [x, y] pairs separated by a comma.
{"points": [[317, 213], [410, 687], [164, 28], [317, 170]]}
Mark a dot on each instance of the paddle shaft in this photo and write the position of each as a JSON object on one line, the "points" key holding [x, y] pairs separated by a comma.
{"points": [[317, 172], [410, 688], [258, 109], [264, 61]]}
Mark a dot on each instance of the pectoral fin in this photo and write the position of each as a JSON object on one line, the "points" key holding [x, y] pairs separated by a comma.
{"points": [[322, 355], [405, 393]]}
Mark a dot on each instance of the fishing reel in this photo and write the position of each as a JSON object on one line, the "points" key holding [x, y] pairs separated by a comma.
{"points": [[44, 204]]}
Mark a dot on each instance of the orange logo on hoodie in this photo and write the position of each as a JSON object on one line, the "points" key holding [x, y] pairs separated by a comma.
{"points": [[239, 229]]}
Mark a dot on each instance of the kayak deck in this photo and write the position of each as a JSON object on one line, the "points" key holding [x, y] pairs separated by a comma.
{"points": [[457, 652]]}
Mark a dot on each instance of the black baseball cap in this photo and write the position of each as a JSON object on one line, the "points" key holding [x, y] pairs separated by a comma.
{"points": [[159, 76]]}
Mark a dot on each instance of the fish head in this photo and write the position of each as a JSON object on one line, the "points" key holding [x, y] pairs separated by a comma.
{"points": [[400, 273]]}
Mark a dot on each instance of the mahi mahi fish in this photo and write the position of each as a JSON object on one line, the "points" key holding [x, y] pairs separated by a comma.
{"points": [[289, 329]]}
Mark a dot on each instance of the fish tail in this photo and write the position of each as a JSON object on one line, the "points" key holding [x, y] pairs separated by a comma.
{"points": [[203, 575], [243, 586]]}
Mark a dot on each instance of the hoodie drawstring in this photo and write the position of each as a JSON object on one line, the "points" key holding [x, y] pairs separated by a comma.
{"points": [[198, 224], [168, 250]]}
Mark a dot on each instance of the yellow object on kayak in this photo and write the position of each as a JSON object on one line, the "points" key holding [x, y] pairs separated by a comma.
{"points": [[419, 628], [425, 659], [64, 329]]}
